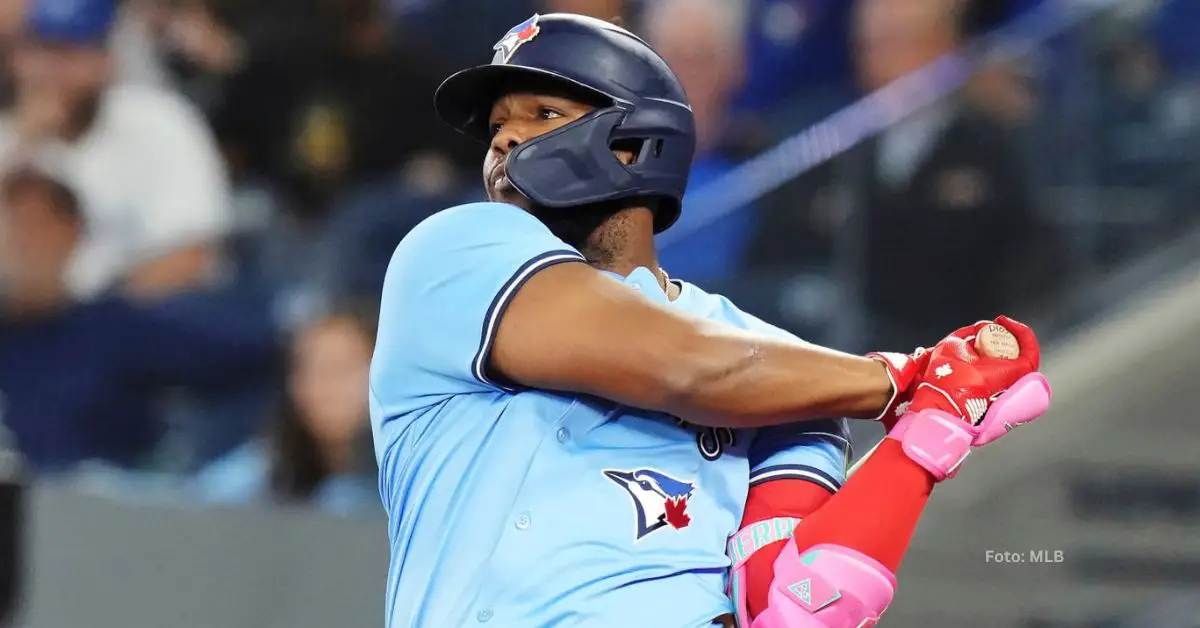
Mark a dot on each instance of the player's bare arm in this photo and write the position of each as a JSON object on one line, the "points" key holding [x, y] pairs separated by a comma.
{"points": [[573, 328]]}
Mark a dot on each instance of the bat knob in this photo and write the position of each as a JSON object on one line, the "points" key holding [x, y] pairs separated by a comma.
{"points": [[995, 341]]}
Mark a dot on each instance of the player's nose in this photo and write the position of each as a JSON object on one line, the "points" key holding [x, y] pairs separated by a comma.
{"points": [[507, 138]]}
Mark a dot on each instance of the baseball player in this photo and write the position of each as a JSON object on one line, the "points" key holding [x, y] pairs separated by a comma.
{"points": [[569, 437]]}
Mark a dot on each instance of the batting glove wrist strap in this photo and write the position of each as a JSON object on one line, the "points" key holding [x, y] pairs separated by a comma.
{"points": [[902, 371]]}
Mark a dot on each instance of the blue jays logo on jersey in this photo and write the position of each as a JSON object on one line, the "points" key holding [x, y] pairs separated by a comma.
{"points": [[659, 500], [516, 37]]}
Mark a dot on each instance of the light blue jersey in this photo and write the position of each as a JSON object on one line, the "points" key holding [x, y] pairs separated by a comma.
{"points": [[525, 509]]}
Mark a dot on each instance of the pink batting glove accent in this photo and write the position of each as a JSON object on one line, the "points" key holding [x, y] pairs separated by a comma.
{"points": [[1024, 402], [939, 441]]}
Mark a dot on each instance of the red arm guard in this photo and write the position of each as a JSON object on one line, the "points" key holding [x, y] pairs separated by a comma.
{"points": [[875, 513]]}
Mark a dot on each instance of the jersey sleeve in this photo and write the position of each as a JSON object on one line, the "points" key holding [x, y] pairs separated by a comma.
{"points": [[817, 451], [447, 287]]}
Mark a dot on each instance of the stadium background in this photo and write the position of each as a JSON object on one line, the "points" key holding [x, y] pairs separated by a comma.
{"points": [[223, 478]]}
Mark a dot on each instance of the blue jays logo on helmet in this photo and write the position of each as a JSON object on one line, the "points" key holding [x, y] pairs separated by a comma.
{"points": [[659, 500], [516, 37]]}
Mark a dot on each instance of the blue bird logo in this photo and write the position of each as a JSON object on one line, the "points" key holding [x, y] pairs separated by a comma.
{"points": [[659, 499], [516, 37]]}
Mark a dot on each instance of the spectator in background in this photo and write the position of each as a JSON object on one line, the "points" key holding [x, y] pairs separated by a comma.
{"points": [[314, 449], [326, 102], [1173, 29], [457, 27], [600, 9], [80, 381], [1145, 132], [797, 48], [353, 254], [12, 16], [945, 183], [310, 100], [702, 42], [137, 44], [1005, 90], [151, 184]]}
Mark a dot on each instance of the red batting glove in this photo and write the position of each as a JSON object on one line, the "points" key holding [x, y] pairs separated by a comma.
{"points": [[999, 373], [961, 382], [951, 409], [904, 370]]}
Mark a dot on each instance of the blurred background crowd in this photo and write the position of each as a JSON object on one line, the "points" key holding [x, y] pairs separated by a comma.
{"points": [[199, 199]]}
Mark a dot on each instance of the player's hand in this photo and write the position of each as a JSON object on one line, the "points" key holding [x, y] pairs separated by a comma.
{"points": [[963, 400], [958, 380], [951, 383], [1000, 373], [904, 371], [907, 371]]}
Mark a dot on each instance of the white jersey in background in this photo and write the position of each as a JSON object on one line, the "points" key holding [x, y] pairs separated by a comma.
{"points": [[150, 180]]}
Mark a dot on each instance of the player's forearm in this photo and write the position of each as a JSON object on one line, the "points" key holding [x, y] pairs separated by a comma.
{"points": [[573, 329], [740, 379]]}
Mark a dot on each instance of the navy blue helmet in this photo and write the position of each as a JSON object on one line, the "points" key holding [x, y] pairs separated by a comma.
{"points": [[644, 107]]}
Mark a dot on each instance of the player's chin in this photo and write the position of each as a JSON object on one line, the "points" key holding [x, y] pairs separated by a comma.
{"points": [[503, 192]]}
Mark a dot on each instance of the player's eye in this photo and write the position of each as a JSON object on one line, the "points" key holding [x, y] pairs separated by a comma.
{"points": [[547, 113], [495, 128]]}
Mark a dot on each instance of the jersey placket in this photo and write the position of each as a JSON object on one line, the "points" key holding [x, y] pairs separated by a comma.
{"points": [[520, 536]]}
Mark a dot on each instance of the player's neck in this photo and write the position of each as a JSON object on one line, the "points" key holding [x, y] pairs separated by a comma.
{"points": [[625, 242]]}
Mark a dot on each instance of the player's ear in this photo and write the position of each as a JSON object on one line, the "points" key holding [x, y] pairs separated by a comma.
{"points": [[627, 150]]}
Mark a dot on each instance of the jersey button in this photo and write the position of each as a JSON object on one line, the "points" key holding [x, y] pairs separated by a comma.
{"points": [[563, 434], [484, 615], [523, 521]]}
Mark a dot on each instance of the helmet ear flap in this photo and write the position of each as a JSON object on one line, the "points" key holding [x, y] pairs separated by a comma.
{"points": [[575, 164], [572, 165], [644, 151]]}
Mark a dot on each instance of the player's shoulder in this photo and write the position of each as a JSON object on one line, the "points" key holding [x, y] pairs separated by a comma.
{"points": [[473, 238], [718, 307], [475, 217], [474, 227], [701, 302]]}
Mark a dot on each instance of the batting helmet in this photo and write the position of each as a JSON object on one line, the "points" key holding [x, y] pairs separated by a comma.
{"points": [[644, 106]]}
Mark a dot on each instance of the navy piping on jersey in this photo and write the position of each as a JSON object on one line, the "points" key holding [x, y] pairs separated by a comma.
{"points": [[491, 321], [795, 472]]}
